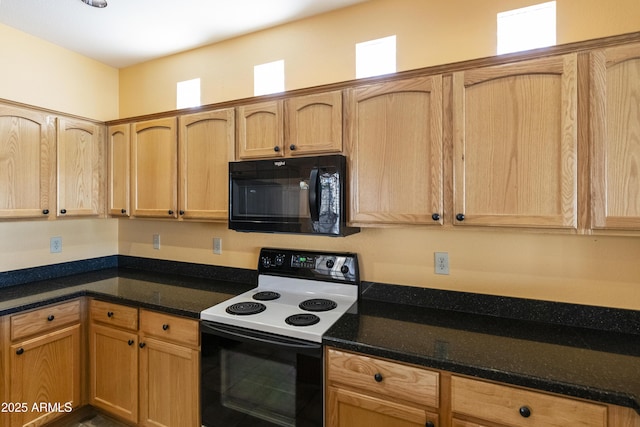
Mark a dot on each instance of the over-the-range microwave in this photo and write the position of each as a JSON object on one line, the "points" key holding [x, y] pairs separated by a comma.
{"points": [[304, 195]]}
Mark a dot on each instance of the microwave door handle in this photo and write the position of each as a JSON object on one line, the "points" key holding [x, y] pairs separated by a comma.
{"points": [[314, 194]]}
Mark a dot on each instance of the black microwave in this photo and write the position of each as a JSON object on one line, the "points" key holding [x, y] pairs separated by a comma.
{"points": [[303, 195]]}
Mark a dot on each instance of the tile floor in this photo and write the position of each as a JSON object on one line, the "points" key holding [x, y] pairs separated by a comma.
{"points": [[98, 421]]}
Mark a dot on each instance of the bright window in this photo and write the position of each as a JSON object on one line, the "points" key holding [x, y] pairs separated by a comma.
{"points": [[376, 57], [527, 28], [268, 78], [188, 94]]}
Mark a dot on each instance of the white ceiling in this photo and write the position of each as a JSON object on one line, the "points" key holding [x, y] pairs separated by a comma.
{"points": [[127, 32]]}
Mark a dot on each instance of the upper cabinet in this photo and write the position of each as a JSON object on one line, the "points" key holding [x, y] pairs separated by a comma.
{"points": [[27, 163], [206, 146], [394, 147], [260, 130], [515, 144], [80, 168], [615, 138], [154, 164], [314, 124], [119, 164], [298, 126]]}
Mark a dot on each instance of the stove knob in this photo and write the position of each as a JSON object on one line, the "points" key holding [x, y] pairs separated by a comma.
{"points": [[279, 259], [266, 262], [330, 263], [344, 269]]}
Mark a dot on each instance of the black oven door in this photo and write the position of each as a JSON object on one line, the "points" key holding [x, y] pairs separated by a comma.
{"points": [[300, 195], [255, 379]]}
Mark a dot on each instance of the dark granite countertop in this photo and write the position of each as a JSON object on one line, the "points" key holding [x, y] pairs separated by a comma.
{"points": [[593, 364], [175, 294]]}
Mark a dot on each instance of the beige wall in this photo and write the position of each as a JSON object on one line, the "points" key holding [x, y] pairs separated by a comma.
{"points": [[42, 74], [321, 50]]}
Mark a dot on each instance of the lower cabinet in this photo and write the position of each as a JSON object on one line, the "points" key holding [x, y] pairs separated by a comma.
{"points": [[363, 391], [43, 364], [144, 365]]}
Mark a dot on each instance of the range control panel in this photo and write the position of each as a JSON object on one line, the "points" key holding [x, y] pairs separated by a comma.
{"points": [[327, 266]]}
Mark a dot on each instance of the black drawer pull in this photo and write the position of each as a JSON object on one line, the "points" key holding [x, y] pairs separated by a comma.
{"points": [[165, 326], [378, 377], [141, 345], [525, 411], [63, 211], [20, 351], [130, 342], [109, 314], [50, 318], [460, 217]]}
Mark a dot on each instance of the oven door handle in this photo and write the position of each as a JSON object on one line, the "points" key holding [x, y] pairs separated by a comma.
{"points": [[241, 334]]}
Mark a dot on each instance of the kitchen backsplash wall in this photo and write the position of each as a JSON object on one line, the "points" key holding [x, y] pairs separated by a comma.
{"points": [[593, 270]]}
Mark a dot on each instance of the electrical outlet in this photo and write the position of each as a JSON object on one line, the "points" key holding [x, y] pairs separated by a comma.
{"points": [[156, 241], [217, 245], [441, 260], [55, 245]]}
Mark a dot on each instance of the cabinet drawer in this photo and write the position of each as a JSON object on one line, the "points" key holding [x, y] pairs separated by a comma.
{"points": [[504, 404], [391, 379], [44, 319], [112, 314], [171, 328]]}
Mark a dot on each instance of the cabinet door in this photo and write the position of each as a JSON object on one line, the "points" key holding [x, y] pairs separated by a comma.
{"points": [[206, 147], [80, 169], [394, 146], [314, 124], [615, 127], [260, 130], [119, 149], [515, 142], [169, 384], [27, 163], [113, 361], [155, 168], [351, 409], [45, 375]]}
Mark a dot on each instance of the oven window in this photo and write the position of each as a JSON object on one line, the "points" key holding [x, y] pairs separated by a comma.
{"points": [[247, 384]]}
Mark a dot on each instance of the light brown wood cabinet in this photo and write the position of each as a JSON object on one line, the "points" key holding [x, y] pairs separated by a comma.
{"points": [[80, 168], [363, 391], [394, 147], [206, 146], [154, 168], [119, 165], [43, 363], [615, 133], [169, 370], [27, 163], [515, 144], [144, 365], [298, 126], [313, 124], [113, 359]]}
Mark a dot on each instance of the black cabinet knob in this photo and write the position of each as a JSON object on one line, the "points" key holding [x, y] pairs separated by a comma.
{"points": [[130, 342], [165, 326], [63, 211], [109, 313], [123, 211], [292, 147], [181, 212], [45, 212], [50, 318], [142, 345], [20, 351], [429, 424], [460, 217], [378, 377], [276, 148], [170, 212], [525, 411], [435, 216]]}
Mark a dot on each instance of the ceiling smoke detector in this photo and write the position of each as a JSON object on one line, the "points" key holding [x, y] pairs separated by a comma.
{"points": [[96, 3]]}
